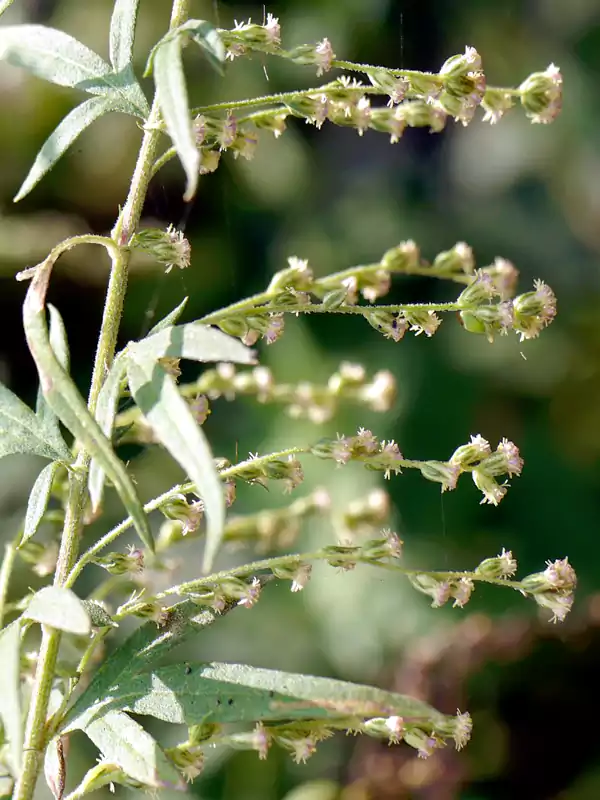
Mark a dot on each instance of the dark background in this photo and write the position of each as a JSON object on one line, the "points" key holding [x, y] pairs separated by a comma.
{"points": [[528, 193]]}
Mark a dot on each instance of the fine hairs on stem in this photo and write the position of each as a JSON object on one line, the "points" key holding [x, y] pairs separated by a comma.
{"points": [[236, 706]]}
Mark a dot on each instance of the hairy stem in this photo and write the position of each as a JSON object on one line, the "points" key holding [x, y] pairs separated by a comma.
{"points": [[35, 730], [8, 562]]}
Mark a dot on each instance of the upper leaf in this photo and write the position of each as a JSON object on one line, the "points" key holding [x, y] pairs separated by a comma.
{"points": [[10, 692], [208, 38], [124, 742], [66, 132], [21, 431], [59, 58], [122, 33], [193, 341], [171, 419], [170, 319], [59, 608], [60, 345], [173, 100]]}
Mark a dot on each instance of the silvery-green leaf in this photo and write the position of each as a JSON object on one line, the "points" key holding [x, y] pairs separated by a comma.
{"points": [[173, 99], [122, 33], [192, 341], [106, 411], [208, 38], [10, 692], [173, 423], [66, 132], [125, 743], [145, 647], [99, 616], [38, 500], [21, 431], [60, 345], [170, 319], [59, 58], [59, 608]]}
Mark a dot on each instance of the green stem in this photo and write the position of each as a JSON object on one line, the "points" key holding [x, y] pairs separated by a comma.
{"points": [[35, 730], [8, 562]]}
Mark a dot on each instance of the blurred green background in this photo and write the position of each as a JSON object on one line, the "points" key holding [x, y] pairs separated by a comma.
{"points": [[527, 193]]}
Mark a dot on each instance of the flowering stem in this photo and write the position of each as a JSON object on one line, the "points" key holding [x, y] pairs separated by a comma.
{"points": [[35, 730], [153, 505]]}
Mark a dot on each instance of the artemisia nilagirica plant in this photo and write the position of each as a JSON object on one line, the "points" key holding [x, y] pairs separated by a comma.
{"points": [[42, 699]]}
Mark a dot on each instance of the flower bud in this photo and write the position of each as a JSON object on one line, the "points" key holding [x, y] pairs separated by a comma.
{"points": [[422, 115], [559, 603], [455, 261], [442, 472], [470, 455], [393, 86], [189, 514], [534, 311], [481, 290], [492, 491], [209, 160], [320, 54], [403, 258], [541, 95], [505, 461], [392, 326], [131, 563], [189, 759], [423, 743], [495, 103], [422, 321], [298, 275], [334, 299], [169, 247], [502, 566], [439, 590], [462, 591], [389, 120]]}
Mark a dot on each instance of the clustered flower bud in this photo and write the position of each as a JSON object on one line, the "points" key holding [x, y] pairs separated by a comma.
{"points": [[443, 589], [541, 95], [502, 566], [248, 36], [464, 85], [553, 588], [320, 54], [257, 470], [169, 247], [130, 563], [364, 447]]}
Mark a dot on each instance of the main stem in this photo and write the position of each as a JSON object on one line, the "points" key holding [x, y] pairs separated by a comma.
{"points": [[35, 730]]}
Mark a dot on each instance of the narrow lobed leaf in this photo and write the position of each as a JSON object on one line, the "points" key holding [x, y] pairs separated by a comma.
{"points": [[192, 341], [21, 431], [38, 501], [171, 419], [173, 99], [59, 608], [66, 132], [122, 33], [10, 692]]}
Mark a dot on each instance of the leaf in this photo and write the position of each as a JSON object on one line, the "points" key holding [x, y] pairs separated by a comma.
{"points": [[225, 693], [38, 501], [60, 346], [63, 397], [173, 100], [170, 319], [141, 650], [208, 38], [99, 617], [122, 33], [10, 693], [125, 743], [66, 132], [193, 341], [171, 419], [21, 431], [106, 411], [55, 56], [59, 608]]}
